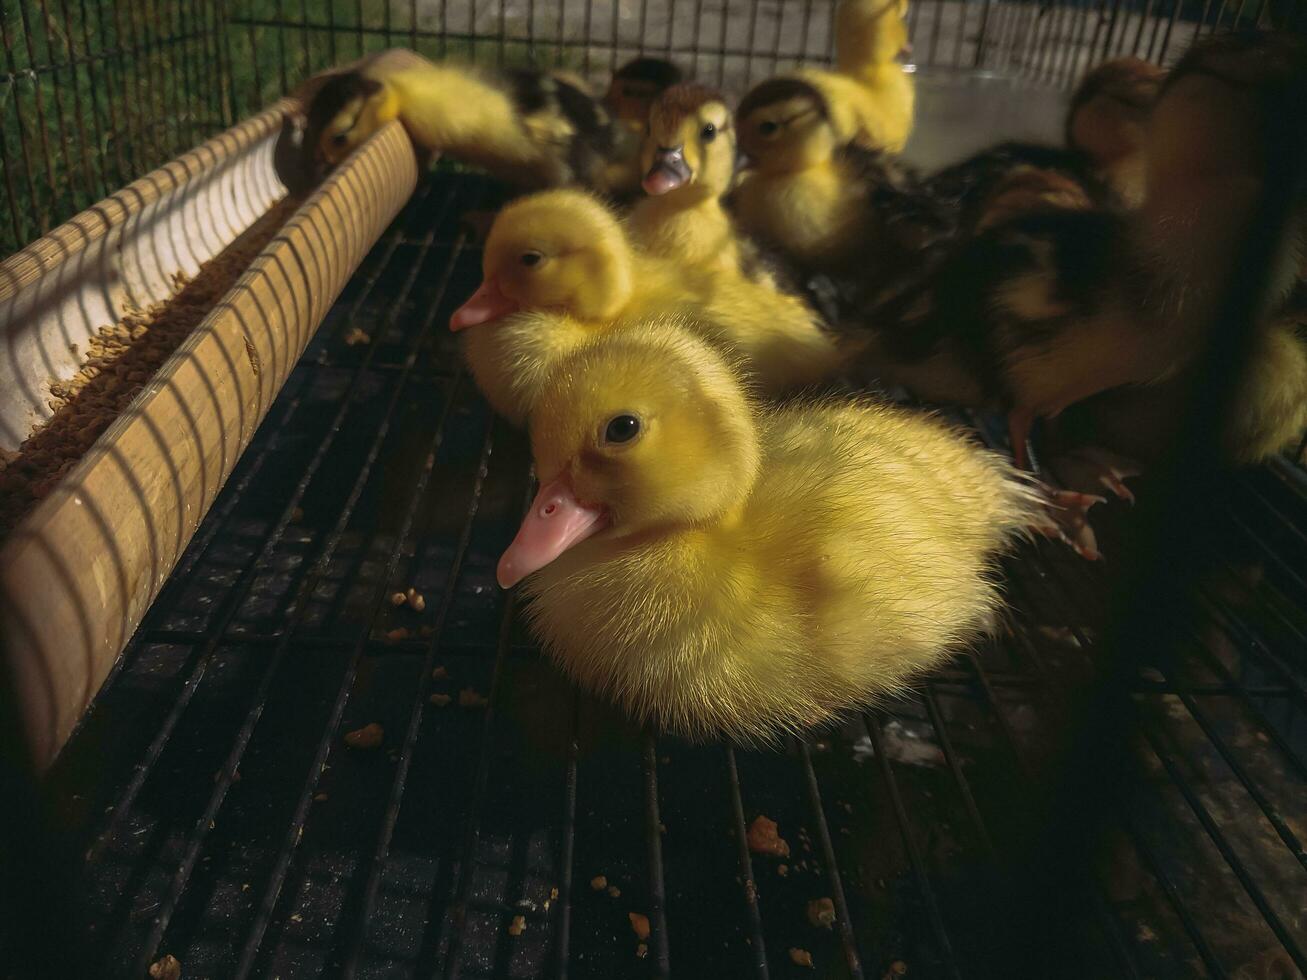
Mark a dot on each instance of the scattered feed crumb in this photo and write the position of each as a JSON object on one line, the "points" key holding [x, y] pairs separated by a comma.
{"points": [[168, 968], [800, 957], [297, 514], [553, 893], [782, 870], [468, 698], [297, 918], [415, 600], [440, 674], [319, 797], [440, 700], [821, 913], [517, 926], [398, 599], [642, 950], [395, 635], [614, 891], [598, 883], [640, 924], [369, 736], [119, 361], [896, 969], [357, 336], [763, 838]]}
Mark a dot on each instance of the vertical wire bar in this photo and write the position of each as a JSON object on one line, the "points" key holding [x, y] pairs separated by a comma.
{"points": [[910, 845], [64, 135], [187, 118], [332, 56], [776, 41], [935, 27], [757, 941], [964, 9], [560, 32], [843, 920], [586, 36], [644, 24], [454, 958], [227, 90], [567, 851], [8, 166], [657, 887], [160, 116], [721, 45], [502, 34], [805, 28], [146, 87], [103, 87], [358, 26], [751, 44], [42, 130], [955, 768], [28, 172], [133, 105], [283, 74], [616, 38], [78, 112], [306, 44], [698, 27], [256, 97], [982, 33]]}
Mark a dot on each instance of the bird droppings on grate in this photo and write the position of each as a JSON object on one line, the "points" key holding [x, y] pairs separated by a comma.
{"points": [[423, 855]]}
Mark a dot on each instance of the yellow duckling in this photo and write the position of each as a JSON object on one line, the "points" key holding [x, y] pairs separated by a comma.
{"points": [[808, 192], [560, 262], [871, 38], [718, 568], [688, 160], [529, 128]]}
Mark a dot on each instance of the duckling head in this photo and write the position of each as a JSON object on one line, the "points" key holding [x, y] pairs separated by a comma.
{"points": [[561, 251], [785, 125], [346, 110], [640, 432], [689, 141], [635, 86]]}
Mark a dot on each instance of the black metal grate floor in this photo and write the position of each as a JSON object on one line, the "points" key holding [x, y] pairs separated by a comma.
{"points": [[224, 821]]}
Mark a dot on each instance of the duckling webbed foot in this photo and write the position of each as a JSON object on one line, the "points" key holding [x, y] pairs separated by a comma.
{"points": [[1066, 519], [1095, 468]]}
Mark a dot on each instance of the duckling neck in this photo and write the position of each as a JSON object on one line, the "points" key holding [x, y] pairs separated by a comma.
{"points": [[688, 223]]}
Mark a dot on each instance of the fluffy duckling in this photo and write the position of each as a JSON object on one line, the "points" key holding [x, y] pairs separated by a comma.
{"points": [[808, 194], [871, 42], [717, 568], [528, 128], [1108, 119], [688, 159], [636, 86], [562, 258], [1051, 308]]}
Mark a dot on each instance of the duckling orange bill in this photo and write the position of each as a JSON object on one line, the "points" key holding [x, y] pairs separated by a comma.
{"points": [[486, 304], [556, 521]]}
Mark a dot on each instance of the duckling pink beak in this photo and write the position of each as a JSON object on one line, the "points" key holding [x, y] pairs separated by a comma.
{"points": [[555, 522], [487, 303], [669, 171]]}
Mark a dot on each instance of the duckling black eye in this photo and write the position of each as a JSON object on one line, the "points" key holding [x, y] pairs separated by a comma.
{"points": [[339, 139], [767, 128], [708, 133], [531, 258], [621, 428]]}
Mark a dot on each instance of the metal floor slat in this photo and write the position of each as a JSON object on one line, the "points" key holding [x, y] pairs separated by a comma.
{"points": [[224, 821]]}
